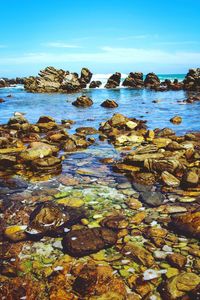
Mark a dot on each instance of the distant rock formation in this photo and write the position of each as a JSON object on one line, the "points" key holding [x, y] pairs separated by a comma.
{"points": [[113, 81], [52, 80], [134, 80], [192, 80]]}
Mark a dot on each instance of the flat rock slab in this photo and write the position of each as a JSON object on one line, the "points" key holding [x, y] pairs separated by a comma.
{"points": [[86, 241]]}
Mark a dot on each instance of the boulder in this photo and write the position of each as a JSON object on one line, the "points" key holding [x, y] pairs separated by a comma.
{"points": [[52, 80], [85, 78], [138, 253], [188, 224], [178, 286], [86, 241], [192, 80], [109, 104], [113, 81], [83, 101], [38, 150], [95, 84], [134, 80], [151, 80], [176, 120], [47, 218]]}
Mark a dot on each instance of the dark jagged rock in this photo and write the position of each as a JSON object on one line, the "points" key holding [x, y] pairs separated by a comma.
{"points": [[151, 80], [83, 101], [85, 78], [192, 80], [113, 81], [109, 104], [95, 84], [86, 241], [134, 80]]}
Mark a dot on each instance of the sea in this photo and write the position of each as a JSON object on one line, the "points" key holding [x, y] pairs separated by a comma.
{"points": [[132, 103]]}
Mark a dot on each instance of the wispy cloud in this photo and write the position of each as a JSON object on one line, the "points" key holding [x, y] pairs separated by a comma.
{"points": [[59, 45], [109, 55], [176, 43], [138, 37]]}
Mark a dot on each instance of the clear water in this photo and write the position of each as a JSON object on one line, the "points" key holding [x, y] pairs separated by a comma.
{"points": [[132, 103]]}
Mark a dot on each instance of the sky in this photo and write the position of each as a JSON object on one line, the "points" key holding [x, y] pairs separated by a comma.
{"points": [[105, 36]]}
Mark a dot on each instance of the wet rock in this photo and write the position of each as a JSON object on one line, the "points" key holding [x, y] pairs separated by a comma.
{"points": [[86, 130], [51, 80], [187, 224], [134, 80], [115, 222], [85, 78], [15, 233], [179, 285], [177, 260], [170, 165], [7, 161], [176, 120], [169, 179], [133, 203], [47, 218], [83, 101], [113, 81], [143, 178], [45, 119], [38, 150], [93, 280], [192, 80], [86, 241], [138, 253], [95, 84], [190, 178], [109, 104], [47, 165], [152, 198], [151, 80]]}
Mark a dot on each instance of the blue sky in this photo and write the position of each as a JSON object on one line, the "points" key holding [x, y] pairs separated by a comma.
{"points": [[106, 36]]}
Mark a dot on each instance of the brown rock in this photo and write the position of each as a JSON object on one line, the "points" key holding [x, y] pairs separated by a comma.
{"points": [[176, 120], [109, 104], [179, 285], [83, 101], [86, 241], [169, 179], [177, 260], [188, 223], [138, 253]]}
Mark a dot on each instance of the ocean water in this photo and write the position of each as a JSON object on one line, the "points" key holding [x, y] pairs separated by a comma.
{"points": [[132, 103]]}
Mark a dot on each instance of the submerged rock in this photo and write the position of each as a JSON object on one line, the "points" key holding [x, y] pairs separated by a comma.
{"points": [[47, 218], [86, 241], [176, 120], [188, 224], [152, 198], [179, 285]]}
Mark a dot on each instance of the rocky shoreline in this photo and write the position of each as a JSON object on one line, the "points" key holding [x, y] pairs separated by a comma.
{"points": [[52, 80], [98, 234]]}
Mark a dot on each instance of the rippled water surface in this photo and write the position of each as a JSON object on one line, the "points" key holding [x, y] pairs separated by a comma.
{"points": [[132, 103]]}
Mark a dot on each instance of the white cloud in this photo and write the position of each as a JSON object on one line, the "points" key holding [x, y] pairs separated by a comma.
{"points": [[174, 43], [138, 37], [59, 45], [109, 55]]}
